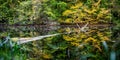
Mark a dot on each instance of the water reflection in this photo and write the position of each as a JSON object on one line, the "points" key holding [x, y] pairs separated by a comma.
{"points": [[37, 30], [76, 45], [28, 31]]}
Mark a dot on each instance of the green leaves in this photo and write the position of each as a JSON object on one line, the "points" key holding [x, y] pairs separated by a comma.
{"points": [[16, 11], [53, 9]]}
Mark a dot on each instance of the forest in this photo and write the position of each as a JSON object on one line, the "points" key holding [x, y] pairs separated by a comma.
{"points": [[59, 30]]}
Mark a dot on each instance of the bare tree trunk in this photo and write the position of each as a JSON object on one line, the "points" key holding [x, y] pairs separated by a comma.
{"points": [[25, 40]]}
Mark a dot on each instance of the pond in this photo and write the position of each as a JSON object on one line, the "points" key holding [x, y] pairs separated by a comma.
{"points": [[92, 43]]}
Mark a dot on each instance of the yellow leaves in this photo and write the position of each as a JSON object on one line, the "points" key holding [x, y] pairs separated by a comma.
{"points": [[90, 11], [47, 56], [96, 4], [82, 14], [99, 34], [68, 20], [50, 13], [93, 36], [90, 39], [73, 40], [83, 36], [75, 44], [98, 47], [67, 12], [103, 13], [68, 30], [67, 38], [104, 38], [85, 14], [108, 17], [91, 31], [78, 5]]}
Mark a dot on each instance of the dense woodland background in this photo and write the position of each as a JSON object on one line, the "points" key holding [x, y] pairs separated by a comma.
{"points": [[95, 44]]}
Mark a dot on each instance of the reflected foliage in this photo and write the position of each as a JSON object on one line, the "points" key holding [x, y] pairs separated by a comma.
{"points": [[93, 44]]}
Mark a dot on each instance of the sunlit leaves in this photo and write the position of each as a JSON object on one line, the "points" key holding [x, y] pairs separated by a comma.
{"points": [[67, 12], [82, 13], [77, 6], [91, 40]]}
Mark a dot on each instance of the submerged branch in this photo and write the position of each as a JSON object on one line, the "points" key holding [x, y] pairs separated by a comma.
{"points": [[84, 28], [25, 40]]}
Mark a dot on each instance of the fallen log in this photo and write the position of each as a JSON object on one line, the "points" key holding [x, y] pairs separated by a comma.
{"points": [[26, 40]]}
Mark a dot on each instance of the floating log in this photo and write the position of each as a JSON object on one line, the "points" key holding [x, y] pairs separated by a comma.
{"points": [[25, 40]]}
